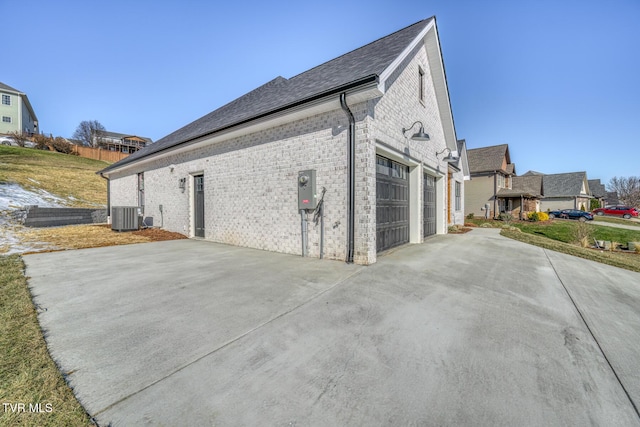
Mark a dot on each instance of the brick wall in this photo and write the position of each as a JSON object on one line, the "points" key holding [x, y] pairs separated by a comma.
{"points": [[251, 181]]}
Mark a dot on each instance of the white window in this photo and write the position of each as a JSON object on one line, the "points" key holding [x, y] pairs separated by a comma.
{"points": [[421, 93], [6, 99], [458, 190], [500, 180], [6, 119]]}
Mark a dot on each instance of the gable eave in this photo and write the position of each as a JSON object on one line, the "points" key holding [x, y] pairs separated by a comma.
{"points": [[429, 37]]}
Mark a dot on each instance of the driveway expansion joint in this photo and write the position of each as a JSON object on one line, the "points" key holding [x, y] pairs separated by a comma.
{"points": [[584, 320]]}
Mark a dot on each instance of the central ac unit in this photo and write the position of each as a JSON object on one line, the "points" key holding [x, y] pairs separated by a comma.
{"points": [[125, 218]]}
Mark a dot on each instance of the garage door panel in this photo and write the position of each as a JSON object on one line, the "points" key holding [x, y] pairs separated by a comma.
{"points": [[429, 206], [392, 201]]}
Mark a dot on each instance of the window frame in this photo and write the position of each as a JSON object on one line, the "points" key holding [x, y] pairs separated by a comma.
{"points": [[421, 85], [458, 195], [6, 99], [7, 119]]}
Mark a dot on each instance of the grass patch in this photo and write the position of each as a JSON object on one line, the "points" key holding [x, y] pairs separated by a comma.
{"points": [[617, 259], [67, 176], [614, 220], [27, 373], [564, 231]]}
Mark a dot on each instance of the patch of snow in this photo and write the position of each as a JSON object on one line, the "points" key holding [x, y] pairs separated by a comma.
{"points": [[13, 196]]}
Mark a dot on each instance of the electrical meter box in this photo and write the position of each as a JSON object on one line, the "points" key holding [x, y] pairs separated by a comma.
{"points": [[307, 189]]}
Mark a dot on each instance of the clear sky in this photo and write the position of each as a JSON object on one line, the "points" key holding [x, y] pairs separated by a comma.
{"points": [[557, 80]]}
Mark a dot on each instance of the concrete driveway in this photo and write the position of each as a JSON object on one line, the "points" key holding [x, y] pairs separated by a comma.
{"points": [[471, 329]]}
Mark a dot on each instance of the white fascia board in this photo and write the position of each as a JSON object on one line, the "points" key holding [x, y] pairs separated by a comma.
{"points": [[301, 112], [405, 53], [429, 36]]}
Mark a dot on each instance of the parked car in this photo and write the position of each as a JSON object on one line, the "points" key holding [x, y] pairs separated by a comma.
{"points": [[7, 140], [623, 211], [571, 214]]}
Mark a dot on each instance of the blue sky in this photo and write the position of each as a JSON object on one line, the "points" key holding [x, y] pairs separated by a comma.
{"points": [[557, 80]]}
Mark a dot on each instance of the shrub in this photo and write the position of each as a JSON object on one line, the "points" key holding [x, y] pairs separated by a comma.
{"points": [[19, 137], [506, 217], [538, 216], [471, 216], [582, 234], [61, 145], [42, 142]]}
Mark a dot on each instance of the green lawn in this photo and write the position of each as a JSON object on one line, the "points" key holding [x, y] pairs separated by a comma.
{"points": [[615, 220], [32, 390], [563, 236]]}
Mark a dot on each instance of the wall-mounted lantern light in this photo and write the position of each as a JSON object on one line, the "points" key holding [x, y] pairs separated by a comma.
{"points": [[418, 136], [450, 157], [182, 183]]}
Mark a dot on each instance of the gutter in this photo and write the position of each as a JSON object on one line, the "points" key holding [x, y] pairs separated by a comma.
{"points": [[371, 79], [351, 140]]}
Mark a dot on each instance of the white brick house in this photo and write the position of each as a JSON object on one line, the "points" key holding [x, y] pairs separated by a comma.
{"points": [[232, 175]]}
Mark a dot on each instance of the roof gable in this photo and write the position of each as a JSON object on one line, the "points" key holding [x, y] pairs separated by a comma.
{"points": [[361, 66], [490, 159], [565, 184]]}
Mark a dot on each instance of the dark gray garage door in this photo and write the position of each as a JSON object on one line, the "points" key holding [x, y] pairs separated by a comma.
{"points": [[392, 203], [429, 209]]}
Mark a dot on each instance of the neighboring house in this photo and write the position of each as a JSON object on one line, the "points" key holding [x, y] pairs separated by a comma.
{"points": [[491, 172], [598, 192], [121, 142], [611, 199], [523, 197], [455, 191], [565, 191], [356, 125], [16, 112]]}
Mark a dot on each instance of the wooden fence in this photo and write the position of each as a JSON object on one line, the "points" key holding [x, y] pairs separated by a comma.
{"points": [[99, 154]]}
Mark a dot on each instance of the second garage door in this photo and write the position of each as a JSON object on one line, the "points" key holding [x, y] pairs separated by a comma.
{"points": [[392, 204]]}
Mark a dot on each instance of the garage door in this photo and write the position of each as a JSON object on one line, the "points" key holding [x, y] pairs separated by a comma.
{"points": [[429, 209], [392, 204]]}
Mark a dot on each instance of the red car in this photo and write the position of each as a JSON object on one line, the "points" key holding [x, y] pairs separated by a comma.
{"points": [[623, 211]]}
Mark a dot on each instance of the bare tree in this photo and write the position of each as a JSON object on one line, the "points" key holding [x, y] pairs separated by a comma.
{"points": [[628, 189], [19, 137], [88, 131]]}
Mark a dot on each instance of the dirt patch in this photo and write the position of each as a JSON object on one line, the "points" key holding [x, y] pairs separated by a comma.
{"points": [[87, 236]]}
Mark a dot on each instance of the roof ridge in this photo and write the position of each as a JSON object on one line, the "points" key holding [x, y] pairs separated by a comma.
{"points": [[362, 47]]}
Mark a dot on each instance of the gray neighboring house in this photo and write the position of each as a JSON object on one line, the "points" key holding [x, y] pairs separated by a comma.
{"points": [[16, 112], [565, 191], [598, 191], [359, 122]]}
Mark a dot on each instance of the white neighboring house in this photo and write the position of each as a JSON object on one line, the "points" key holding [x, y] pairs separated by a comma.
{"points": [[356, 125], [16, 112]]}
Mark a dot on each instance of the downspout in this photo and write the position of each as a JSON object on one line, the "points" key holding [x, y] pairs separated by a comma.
{"points": [[108, 196], [351, 139]]}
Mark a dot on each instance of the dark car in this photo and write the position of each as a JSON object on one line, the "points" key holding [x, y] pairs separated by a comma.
{"points": [[571, 214], [623, 211]]}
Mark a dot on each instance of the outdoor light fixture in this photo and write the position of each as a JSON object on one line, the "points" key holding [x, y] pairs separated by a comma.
{"points": [[450, 157], [420, 135], [182, 183]]}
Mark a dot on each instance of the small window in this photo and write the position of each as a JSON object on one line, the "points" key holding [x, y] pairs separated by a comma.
{"points": [[421, 93], [6, 119], [6, 99], [458, 196]]}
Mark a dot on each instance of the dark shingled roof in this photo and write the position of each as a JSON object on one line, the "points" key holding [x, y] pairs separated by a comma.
{"points": [[363, 65], [488, 159], [7, 87], [597, 188], [526, 185], [563, 184]]}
